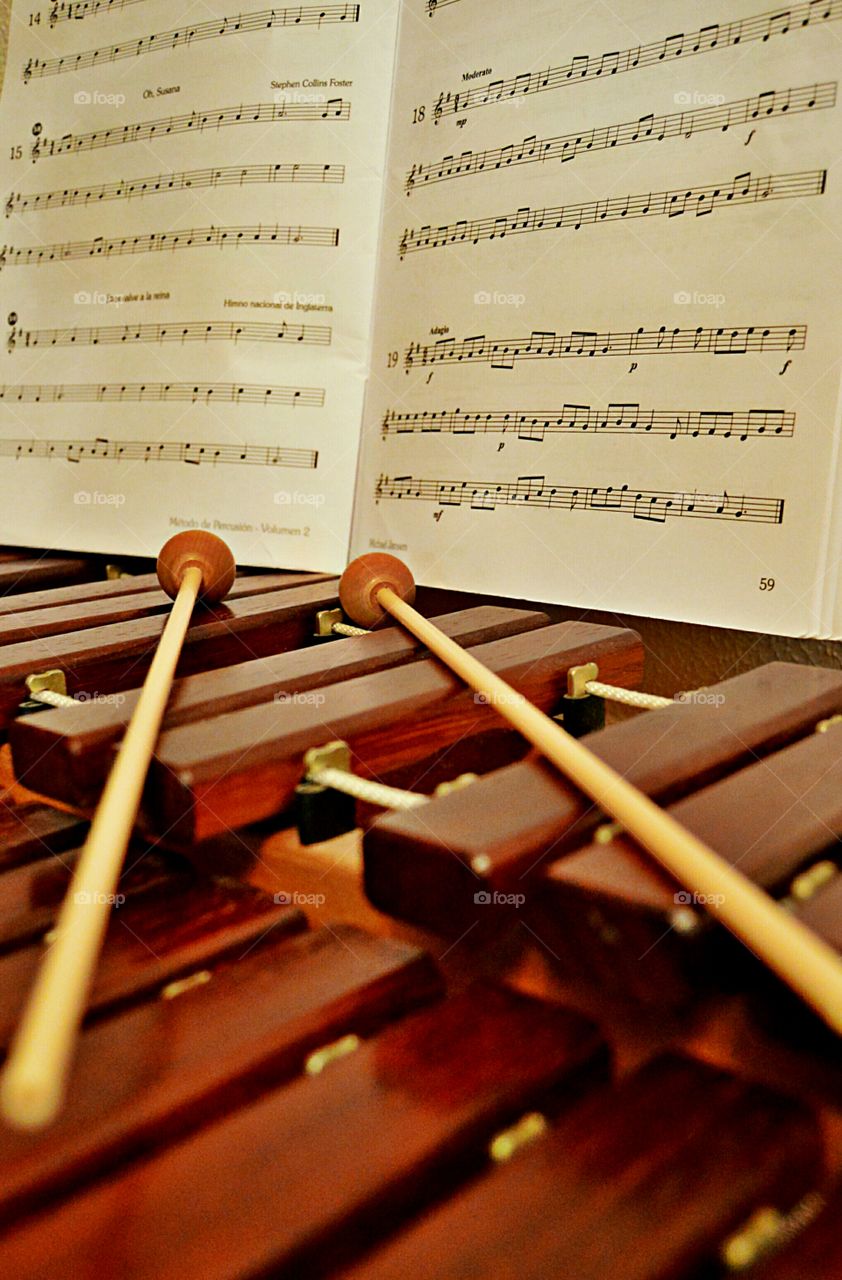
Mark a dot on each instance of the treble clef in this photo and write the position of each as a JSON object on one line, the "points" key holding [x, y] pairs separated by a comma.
{"points": [[2, 257], [54, 15], [27, 71], [403, 245], [431, 7], [10, 204]]}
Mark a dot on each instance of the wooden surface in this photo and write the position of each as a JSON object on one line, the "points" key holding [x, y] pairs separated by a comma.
{"points": [[107, 1232], [600, 1196], [420, 866], [32, 571], [248, 765], [106, 659], [66, 753], [162, 1069], [34, 830], [166, 929], [772, 819], [307, 1172], [123, 605], [815, 1255]]}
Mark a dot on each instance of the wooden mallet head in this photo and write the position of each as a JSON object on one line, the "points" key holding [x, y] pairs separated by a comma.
{"points": [[202, 550], [364, 577]]}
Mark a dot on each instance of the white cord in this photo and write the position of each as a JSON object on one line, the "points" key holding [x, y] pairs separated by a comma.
{"points": [[345, 629], [629, 697], [364, 789], [52, 699]]}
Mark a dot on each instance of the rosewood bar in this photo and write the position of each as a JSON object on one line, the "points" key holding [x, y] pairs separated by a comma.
{"points": [[504, 832], [109, 658], [162, 1069], [646, 1181], [66, 753], [224, 772], [174, 921], [302, 1177]]}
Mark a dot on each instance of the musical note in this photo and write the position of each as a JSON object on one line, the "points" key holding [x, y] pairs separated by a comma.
{"points": [[79, 9], [156, 451], [301, 15], [135, 392], [539, 345], [698, 201], [761, 27], [174, 331], [167, 183], [158, 241], [534, 425], [191, 122], [536, 491], [679, 124]]}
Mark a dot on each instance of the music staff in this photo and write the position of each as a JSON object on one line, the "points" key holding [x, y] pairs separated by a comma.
{"points": [[264, 19], [315, 335], [79, 9], [165, 183], [158, 241], [155, 451], [653, 505], [501, 353], [717, 35], [621, 418], [647, 128], [135, 392], [191, 122], [697, 201]]}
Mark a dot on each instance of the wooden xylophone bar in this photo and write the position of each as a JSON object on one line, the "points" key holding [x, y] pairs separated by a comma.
{"points": [[258, 1096], [763, 791], [107, 657], [78, 742], [226, 757]]}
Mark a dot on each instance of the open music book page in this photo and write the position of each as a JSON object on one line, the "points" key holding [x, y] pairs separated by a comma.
{"points": [[606, 355], [190, 232]]}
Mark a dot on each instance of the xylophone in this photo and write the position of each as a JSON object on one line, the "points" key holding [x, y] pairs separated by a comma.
{"points": [[523, 1053]]}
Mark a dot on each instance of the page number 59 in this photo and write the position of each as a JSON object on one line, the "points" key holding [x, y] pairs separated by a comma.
{"points": [[767, 584]]}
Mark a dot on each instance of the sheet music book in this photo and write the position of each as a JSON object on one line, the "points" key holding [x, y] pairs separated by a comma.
{"points": [[546, 300]]}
